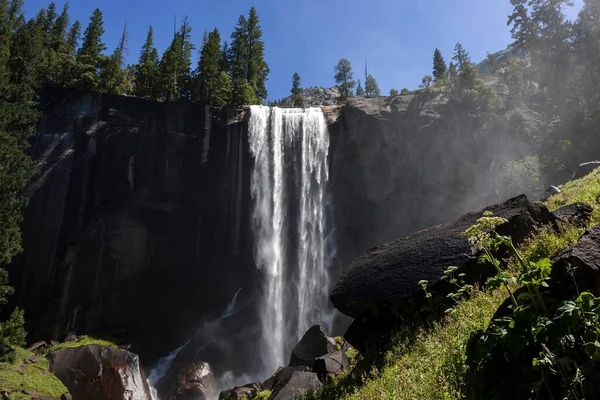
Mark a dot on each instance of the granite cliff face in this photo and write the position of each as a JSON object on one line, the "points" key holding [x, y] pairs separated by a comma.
{"points": [[138, 225]]}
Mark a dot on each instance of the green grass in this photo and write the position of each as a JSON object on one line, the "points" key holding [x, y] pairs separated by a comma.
{"points": [[585, 190], [82, 341], [25, 376], [431, 365], [264, 395]]}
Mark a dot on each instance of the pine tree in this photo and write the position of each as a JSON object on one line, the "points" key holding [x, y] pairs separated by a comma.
{"points": [[246, 59], [452, 73], [89, 57], [225, 58], [174, 74], [258, 70], [461, 57], [440, 71], [371, 87], [146, 68], [73, 38], [209, 68], [344, 79], [297, 99], [221, 95], [59, 31], [92, 37], [359, 89], [112, 76]]}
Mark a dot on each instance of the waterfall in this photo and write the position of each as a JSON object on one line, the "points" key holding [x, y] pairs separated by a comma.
{"points": [[289, 180]]}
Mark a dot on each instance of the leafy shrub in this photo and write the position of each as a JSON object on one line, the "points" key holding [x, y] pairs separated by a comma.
{"points": [[12, 335]]}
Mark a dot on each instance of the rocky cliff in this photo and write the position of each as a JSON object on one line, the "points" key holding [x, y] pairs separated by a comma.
{"points": [[138, 225], [138, 222]]}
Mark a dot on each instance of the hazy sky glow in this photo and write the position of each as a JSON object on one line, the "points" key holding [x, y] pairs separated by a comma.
{"points": [[396, 37]]}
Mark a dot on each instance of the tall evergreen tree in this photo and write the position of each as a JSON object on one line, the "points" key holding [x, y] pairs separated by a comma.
{"points": [[89, 56], [59, 31], [344, 79], [371, 87], [209, 68], [359, 89], [440, 70], [146, 68], [73, 38], [112, 76], [174, 68], [452, 73], [462, 57], [258, 70], [297, 99]]}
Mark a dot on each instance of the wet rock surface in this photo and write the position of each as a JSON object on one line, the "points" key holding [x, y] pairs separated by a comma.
{"points": [[313, 344], [100, 372]]}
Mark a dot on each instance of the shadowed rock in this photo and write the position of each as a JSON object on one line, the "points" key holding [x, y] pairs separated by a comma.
{"points": [[100, 372], [380, 282], [314, 343], [283, 374], [298, 385], [577, 214], [248, 391], [585, 168], [196, 381], [332, 365], [578, 265]]}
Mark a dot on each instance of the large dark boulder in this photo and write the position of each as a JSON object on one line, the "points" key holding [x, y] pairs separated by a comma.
{"points": [[578, 265], [283, 374], [332, 365], [298, 385], [246, 392], [585, 168], [196, 381], [99, 373], [381, 282], [577, 213], [314, 343]]}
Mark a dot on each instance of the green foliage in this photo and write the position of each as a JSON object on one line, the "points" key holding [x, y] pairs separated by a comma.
{"points": [[585, 190], [359, 89], [440, 70], [405, 91], [262, 395], [32, 376], [210, 88], [246, 60], [462, 58], [297, 99], [82, 341], [174, 74], [523, 176], [12, 335], [146, 70], [393, 92], [426, 82], [344, 79], [371, 87]]}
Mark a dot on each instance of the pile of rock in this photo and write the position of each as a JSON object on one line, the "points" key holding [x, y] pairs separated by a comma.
{"points": [[314, 360]]}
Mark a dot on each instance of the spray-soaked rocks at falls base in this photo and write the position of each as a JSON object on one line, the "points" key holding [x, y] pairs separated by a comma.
{"points": [[93, 372], [381, 287], [316, 358]]}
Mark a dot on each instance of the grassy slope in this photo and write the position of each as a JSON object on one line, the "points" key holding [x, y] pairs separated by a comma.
{"points": [[432, 366], [29, 376], [35, 376]]}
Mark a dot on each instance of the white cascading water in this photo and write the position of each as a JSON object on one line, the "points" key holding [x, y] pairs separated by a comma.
{"points": [[289, 181]]}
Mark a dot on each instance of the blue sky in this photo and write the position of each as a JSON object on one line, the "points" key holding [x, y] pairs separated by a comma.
{"points": [[396, 37]]}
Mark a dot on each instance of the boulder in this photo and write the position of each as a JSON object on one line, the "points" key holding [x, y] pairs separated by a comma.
{"points": [[577, 213], [296, 386], [383, 283], [550, 191], [246, 392], [314, 343], [195, 381], [578, 265], [283, 374], [332, 365], [585, 168], [95, 372]]}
